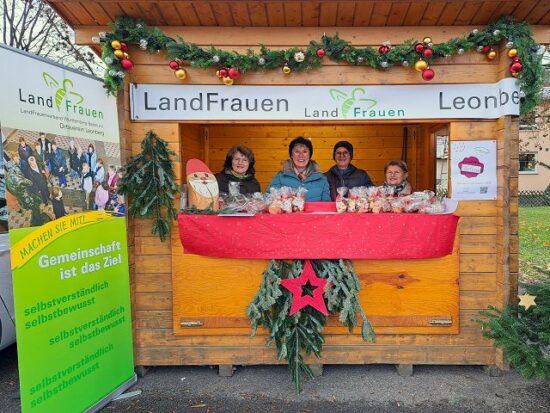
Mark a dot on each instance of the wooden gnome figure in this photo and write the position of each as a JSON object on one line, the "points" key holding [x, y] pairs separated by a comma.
{"points": [[202, 186]]}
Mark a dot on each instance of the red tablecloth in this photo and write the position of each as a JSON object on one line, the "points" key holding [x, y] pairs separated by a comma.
{"points": [[313, 236]]}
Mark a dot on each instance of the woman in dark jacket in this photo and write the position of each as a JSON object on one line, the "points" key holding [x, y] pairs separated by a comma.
{"points": [[59, 164], [344, 173], [238, 167], [38, 179]]}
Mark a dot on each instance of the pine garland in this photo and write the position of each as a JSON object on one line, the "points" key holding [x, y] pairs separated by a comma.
{"points": [[152, 39], [302, 332], [524, 334], [149, 180]]}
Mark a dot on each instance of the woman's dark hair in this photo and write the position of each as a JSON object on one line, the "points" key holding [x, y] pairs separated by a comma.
{"points": [[228, 164], [91, 145], [300, 140], [401, 164]]}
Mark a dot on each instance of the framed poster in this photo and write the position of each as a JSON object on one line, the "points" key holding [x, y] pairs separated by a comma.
{"points": [[474, 170]]}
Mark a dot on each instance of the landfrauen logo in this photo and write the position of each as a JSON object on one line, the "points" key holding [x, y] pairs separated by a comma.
{"points": [[355, 98], [353, 105], [66, 98], [61, 93]]}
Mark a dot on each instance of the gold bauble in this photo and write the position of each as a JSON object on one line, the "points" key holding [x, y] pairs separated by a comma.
{"points": [[180, 74], [427, 40], [491, 55], [115, 44], [512, 52], [287, 70], [119, 54], [421, 65], [227, 81]]}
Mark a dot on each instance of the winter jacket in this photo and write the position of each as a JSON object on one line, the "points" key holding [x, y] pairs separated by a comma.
{"points": [[24, 152], [59, 164], [74, 160], [91, 160], [350, 178], [87, 182], [40, 184], [316, 183], [249, 184], [58, 208], [41, 159], [101, 197], [99, 174]]}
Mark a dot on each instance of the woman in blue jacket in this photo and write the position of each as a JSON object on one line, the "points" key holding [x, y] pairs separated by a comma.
{"points": [[301, 171]]}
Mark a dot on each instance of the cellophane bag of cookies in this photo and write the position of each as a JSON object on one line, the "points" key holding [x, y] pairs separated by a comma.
{"points": [[299, 200], [341, 201]]}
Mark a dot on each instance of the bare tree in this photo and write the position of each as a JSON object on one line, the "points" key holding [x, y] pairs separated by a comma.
{"points": [[33, 26]]}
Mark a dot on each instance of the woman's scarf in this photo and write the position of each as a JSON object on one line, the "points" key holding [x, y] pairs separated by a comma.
{"points": [[235, 174], [311, 167], [397, 189]]}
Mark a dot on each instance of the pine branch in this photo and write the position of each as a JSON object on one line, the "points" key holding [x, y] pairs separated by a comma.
{"points": [[524, 334], [303, 331], [149, 180]]}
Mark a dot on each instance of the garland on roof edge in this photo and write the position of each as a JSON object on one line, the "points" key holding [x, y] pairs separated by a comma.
{"points": [[524, 53]]}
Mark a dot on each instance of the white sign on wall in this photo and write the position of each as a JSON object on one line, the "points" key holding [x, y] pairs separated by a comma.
{"points": [[55, 100], [341, 103], [474, 170]]}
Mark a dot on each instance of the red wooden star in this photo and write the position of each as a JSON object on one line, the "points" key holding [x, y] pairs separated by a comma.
{"points": [[300, 300]]}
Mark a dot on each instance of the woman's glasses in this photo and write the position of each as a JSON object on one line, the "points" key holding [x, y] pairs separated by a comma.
{"points": [[344, 153]]}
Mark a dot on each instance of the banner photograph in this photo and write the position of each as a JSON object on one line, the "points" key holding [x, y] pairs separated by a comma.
{"points": [[67, 231]]}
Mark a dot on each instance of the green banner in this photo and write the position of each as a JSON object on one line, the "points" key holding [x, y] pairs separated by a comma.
{"points": [[67, 231], [72, 310]]}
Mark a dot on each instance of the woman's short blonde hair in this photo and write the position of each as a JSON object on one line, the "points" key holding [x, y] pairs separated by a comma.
{"points": [[401, 164]]}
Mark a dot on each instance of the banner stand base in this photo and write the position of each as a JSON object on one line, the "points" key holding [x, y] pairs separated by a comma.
{"points": [[115, 393]]}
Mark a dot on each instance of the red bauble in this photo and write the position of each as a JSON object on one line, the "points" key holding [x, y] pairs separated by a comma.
{"points": [[299, 300], [383, 49], [174, 65], [428, 52], [428, 74], [234, 73], [321, 52], [419, 47], [223, 72], [126, 64], [486, 49], [123, 46], [516, 67], [515, 59]]}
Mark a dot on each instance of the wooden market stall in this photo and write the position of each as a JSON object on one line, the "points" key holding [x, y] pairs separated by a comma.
{"points": [[190, 309]]}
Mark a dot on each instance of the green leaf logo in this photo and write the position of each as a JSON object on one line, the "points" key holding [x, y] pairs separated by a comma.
{"points": [[348, 101], [61, 92]]}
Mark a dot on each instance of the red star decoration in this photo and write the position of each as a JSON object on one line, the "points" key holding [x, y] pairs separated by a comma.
{"points": [[300, 300]]}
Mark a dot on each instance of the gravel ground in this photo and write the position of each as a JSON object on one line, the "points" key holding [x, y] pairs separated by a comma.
{"points": [[266, 389]]}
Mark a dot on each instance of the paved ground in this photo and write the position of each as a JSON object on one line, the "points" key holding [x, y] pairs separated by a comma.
{"points": [[347, 389]]}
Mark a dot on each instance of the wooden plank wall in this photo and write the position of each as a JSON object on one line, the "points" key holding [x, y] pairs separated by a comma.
{"points": [[488, 229]]}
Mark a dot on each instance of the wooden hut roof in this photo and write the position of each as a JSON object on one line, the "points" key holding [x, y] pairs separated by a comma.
{"points": [[295, 13]]}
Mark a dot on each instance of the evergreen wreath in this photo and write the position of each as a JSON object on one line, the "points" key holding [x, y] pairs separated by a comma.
{"points": [[519, 37], [149, 180], [524, 334], [302, 332]]}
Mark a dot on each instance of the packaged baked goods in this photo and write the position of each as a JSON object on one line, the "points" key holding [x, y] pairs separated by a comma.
{"points": [[299, 199], [341, 201]]}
